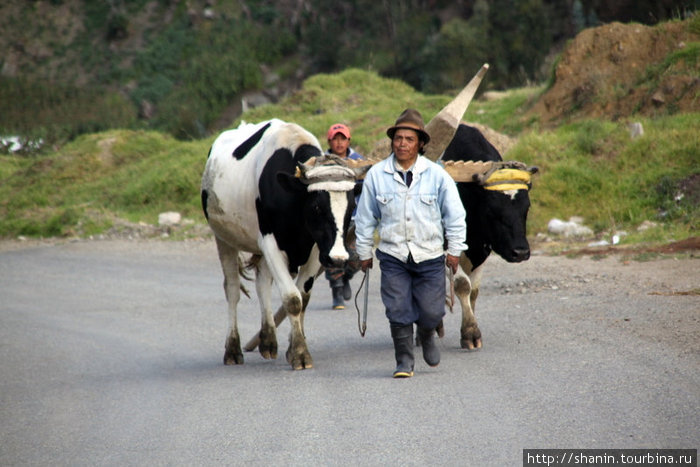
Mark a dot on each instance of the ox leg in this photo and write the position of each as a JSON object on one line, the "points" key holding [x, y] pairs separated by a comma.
{"points": [[229, 264], [280, 314], [298, 353], [466, 290], [306, 278], [268, 329]]}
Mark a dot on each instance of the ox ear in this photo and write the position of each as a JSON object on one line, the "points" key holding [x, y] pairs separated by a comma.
{"points": [[533, 170], [289, 182]]}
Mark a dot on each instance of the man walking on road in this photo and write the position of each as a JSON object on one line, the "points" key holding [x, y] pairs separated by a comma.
{"points": [[416, 208]]}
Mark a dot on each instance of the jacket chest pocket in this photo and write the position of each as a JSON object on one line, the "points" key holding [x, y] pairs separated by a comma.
{"points": [[429, 205], [388, 206]]}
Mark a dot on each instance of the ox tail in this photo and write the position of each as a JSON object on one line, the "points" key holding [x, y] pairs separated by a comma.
{"points": [[247, 266]]}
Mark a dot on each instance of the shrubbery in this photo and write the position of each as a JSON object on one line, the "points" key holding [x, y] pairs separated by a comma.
{"points": [[166, 66]]}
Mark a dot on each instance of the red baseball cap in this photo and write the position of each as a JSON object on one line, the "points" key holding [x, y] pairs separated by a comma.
{"points": [[338, 128]]}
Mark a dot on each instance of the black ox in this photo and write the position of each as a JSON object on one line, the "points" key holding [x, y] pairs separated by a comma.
{"points": [[497, 203]]}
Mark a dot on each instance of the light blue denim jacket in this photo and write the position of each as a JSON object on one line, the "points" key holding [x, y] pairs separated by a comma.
{"points": [[415, 220]]}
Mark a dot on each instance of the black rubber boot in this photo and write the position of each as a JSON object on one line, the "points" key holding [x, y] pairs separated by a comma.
{"points": [[431, 353], [403, 350], [347, 290], [337, 289], [338, 302]]}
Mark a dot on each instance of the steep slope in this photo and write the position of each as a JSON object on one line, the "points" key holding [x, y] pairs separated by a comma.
{"points": [[617, 70]]}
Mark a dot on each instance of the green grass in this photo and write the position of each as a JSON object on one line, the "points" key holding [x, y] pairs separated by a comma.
{"points": [[590, 168], [363, 100], [506, 115], [79, 189], [57, 112], [369, 104], [593, 169]]}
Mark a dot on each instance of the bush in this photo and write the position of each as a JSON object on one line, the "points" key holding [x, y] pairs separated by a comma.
{"points": [[55, 112]]}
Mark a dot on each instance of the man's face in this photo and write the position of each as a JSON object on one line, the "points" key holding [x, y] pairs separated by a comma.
{"points": [[339, 144], [405, 145]]}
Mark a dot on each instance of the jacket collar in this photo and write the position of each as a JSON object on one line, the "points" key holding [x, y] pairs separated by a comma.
{"points": [[420, 166]]}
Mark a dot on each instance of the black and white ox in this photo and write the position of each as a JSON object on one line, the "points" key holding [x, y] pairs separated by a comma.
{"points": [[497, 201], [260, 195]]}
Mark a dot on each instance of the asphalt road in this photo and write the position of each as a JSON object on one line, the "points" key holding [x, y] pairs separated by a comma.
{"points": [[111, 354]]}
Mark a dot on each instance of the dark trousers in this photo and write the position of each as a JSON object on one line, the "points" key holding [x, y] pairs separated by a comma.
{"points": [[413, 292]]}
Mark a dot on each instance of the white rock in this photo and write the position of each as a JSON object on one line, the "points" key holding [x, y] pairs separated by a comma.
{"points": [[556, 226], [646, 225], [169, 218], [569, 228], [636, 130]]}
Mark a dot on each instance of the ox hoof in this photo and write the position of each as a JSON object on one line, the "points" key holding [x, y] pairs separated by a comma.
{"points": [[300, 361], [471, 339], [268, 353], [470, 344], [233, 358], [233, 354], [268, 344]]}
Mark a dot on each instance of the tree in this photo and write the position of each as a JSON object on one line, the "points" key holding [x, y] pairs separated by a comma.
{"points": [[521, 38]]}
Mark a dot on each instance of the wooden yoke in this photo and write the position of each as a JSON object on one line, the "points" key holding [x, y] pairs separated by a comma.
{"points": [[494, 175], [468, 171]]}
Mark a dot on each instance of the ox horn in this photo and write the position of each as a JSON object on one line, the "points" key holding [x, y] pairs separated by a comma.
{"points": [[443, 126], [302, 167], [361, 166]]}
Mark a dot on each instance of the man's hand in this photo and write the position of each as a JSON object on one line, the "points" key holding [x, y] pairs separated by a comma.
{"points": [[452, 262], [366, 264]]}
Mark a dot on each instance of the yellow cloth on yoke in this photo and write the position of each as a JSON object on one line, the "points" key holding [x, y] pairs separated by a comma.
{"points": [[508, 179]]}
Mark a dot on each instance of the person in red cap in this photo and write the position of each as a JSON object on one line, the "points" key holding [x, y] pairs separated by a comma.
{"points": [[339, 142], [339, 278]]}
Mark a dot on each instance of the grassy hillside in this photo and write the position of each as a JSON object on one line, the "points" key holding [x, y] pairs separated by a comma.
{"points": [[71, 67], [82, 188], [592, 168]]}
